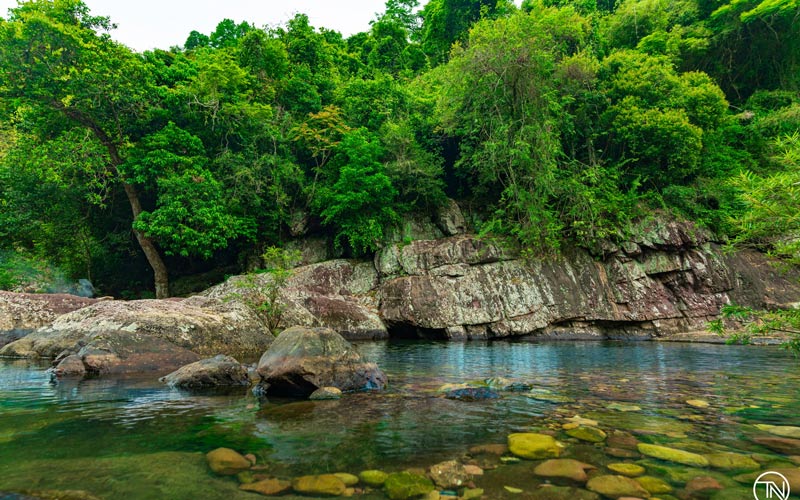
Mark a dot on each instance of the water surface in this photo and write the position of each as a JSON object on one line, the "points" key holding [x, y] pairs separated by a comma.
{"points": [[134, 438]]}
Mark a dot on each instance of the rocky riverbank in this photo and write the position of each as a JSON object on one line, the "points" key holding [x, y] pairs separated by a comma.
{"points": [[666, 284]]}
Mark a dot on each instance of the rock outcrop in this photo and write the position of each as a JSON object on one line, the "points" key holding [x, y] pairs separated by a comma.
{"points": [[219, 371], [337, 294], [22, 313], [673, 280], [145, 336], [302, 360]]}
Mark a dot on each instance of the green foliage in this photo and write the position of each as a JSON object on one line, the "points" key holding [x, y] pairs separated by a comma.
{"points": [[358, 196], [771, 220], [759, 323], [561, 122], [448, 21]]}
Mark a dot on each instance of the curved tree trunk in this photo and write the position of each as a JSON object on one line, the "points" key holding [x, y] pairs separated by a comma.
{"points": [[148, 247]]}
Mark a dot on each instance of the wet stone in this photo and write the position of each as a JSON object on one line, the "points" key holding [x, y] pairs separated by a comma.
{"points": [[590, 434], [627, 469], [533, 446], [566, 468], [227, 462], [616, 487], [268, 487]]}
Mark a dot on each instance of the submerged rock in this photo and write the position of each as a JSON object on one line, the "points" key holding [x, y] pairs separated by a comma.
{"points": [[783, 445], [565, 468], [324, 485], [673, 455], [325, 393], [590, 434], [219, 371], [617, 487], [449, 475], [533, 446], [347, 479], [374, 478], [548, 492], [227, 462], [654, 485], [472, 394], [731, 461], [404, 485], [267, 487], [627, 469], [302, 360]]}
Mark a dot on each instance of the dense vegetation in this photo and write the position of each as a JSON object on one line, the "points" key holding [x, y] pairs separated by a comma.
{"points": [[561, 121]]}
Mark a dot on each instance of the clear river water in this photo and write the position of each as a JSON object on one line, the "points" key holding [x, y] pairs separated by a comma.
{"points": [[133, 438]]}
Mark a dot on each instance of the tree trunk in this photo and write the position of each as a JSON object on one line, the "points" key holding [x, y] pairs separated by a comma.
{"points": [[148, 247]]}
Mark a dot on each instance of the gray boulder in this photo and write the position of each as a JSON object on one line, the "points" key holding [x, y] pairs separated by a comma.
{"points": [[219, 371], [198, 324], [22, 313], [333, 294], [302, 360]]}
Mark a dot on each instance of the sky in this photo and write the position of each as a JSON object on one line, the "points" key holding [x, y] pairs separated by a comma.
{"points": [[149, 24]]}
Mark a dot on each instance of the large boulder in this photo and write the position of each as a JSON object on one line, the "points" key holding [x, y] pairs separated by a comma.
{"points": [[22, 313], [118, 353], [155, 336], [219, 371], [302, 360], [335, 294], [198, 324]]}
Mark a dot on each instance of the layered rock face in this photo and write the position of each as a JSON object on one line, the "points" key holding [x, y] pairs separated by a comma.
{"points": [[674, 280], [337, 294]]}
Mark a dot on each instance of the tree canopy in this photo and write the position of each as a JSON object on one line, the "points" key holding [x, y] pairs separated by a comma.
{"points": [[559, 123]]}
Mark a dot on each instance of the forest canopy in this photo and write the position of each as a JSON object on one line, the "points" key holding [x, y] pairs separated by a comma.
{"points": [[557, 123]]}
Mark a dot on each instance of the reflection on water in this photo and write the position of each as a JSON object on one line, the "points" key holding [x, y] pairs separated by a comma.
{"points": [[78, 434]]}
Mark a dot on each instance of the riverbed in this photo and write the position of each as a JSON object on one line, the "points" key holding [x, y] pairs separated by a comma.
{"points": [[133, 438]]}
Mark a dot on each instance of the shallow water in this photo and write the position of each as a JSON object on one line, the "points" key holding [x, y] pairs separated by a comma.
{"points": [[134, 438]]}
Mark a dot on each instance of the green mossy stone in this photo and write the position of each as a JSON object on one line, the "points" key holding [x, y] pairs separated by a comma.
{"points": [[672, 455], [616, 487], [732, 461], [404, 485], [563, 468], [654, 485], [227, 462], [322, 485], [533, 446], [590, 434], [374, 478], [347, 479], [626, 469]]}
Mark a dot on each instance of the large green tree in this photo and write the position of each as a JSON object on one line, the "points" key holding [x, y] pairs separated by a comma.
{"points": [[61, 69]]}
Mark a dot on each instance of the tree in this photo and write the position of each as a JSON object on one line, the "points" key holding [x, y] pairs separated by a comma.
{"points": [[357, 199], [448, 21], [228, 33], [196, 40], [63, 75], [499, 100], [54, 61]]}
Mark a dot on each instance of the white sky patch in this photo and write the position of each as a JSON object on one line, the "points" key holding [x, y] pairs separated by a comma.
{"points": [[148, 24]]}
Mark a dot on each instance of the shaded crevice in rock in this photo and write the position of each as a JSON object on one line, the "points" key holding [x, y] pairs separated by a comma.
{"points": [[406, 331]]}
